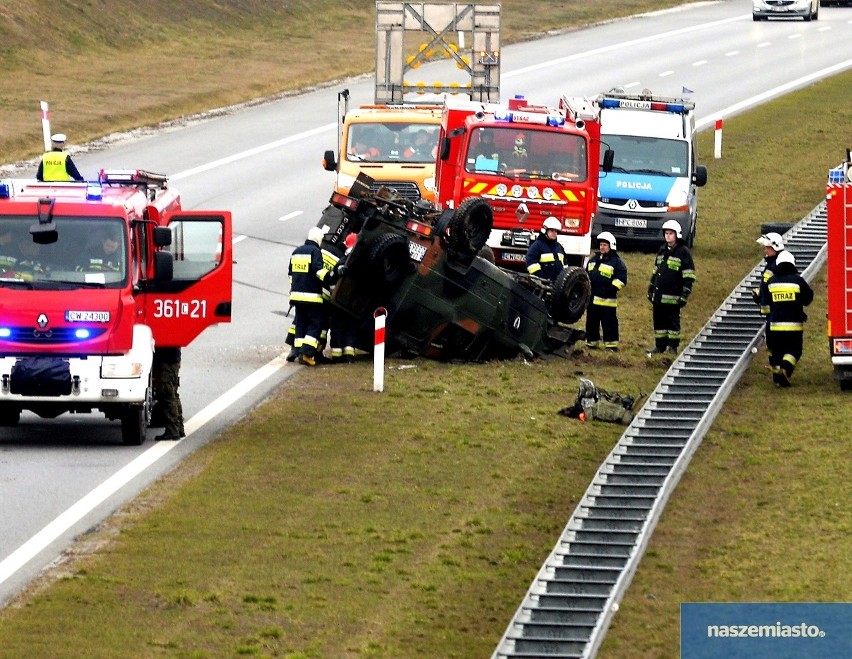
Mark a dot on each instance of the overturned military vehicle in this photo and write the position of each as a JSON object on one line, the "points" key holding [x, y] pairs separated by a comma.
{"points": [[442, 299]]}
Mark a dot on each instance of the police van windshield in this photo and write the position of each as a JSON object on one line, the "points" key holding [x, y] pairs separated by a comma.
{"points": [[392, 142], [89, 252], [648, 155], [527, 153]]}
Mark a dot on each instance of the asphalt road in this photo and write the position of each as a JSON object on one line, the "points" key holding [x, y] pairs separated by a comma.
{"points": [[59, 478]]}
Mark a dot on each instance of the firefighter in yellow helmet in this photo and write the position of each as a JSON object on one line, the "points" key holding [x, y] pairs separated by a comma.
{"points": [[56, 165]]}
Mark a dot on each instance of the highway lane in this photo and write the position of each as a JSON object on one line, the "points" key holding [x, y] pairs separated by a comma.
{"points": [[261, 161]]}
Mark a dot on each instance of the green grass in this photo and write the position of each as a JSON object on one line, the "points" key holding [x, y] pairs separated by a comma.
{"points": [[338, 522]]}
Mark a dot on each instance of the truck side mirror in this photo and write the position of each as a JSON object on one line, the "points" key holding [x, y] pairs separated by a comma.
{"points": [[162, 236], [164, 266], [444, 151], [329, 163], [608, 160], [700, 176]]}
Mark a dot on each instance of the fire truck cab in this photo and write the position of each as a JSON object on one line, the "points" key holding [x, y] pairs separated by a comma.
{"points": [[530, 162], [93, 276]]}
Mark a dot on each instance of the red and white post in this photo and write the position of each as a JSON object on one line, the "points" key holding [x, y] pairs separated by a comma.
{"points": [[380, 316], [717, 151], [45, 125]]}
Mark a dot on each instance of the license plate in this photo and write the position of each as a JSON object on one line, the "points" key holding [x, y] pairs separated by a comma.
{"points": [[632, 222], [87, 316], [416, 251], [513, 256]]}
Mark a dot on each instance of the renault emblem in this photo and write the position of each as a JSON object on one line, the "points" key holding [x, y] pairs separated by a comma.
{"points": [[42, 320], [522, 212], [632, 204]]}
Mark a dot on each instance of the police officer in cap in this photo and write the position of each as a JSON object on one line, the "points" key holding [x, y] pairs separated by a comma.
{"points": [[56, 165]]}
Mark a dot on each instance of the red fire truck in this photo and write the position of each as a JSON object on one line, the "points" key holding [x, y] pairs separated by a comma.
{"points": [[92, 277], [530, 162], [839, 270]]}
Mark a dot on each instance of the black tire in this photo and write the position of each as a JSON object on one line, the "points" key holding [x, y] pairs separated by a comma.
{"points": [[776, 227], [571, 293], [690, 239], [845, 385], [9, 416], [487, 253], [134, 425], [388, 260], [471, 225]]}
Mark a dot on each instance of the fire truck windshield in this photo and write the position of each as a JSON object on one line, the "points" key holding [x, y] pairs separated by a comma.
{"points": [[392, 142], [649, 155], [88, 252], [527, 152]]}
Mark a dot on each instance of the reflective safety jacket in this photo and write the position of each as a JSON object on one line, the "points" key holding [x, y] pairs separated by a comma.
{"points": [[674, 275], [307, 274], [768, 271], [608, 275], [545, 258], [786, 294]]}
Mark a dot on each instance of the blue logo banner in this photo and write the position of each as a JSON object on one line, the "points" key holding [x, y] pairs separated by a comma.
{"points": [[766, 630]]}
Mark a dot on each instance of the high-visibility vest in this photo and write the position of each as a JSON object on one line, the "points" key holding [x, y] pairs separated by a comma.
{"points": [[53, 166]]}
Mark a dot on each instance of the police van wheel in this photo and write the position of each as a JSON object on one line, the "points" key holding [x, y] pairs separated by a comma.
{"points": [[388, 259], [570, 296], [471, 225], [9, 416]]}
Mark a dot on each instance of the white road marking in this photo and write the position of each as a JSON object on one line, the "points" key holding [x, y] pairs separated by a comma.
{"points": [[41, 540], [290, 216]]}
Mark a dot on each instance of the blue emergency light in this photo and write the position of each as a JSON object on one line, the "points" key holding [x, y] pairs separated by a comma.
{"points": [[82, 333], [636, 104], [94, 191], [4, 190], [5, 332]]}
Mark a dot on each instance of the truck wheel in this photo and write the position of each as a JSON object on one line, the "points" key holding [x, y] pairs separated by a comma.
{"points": [[571, 293], [471, 225], [134, 425], [846, 385], [388, 259], [9, 416]]}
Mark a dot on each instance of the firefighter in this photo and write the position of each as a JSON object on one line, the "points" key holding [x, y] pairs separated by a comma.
{"points": [[773, 245], [308, 274], [786, 293], [56, 165], [669, 289], [608, 275], [546, 256], [168, 410]]}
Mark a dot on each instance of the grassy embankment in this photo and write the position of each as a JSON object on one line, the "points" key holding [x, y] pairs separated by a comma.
{"points": [[338, 522]]}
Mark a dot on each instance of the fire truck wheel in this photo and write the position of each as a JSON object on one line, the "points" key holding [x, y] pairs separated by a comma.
{"points": [[134, 425], [570, 296], [388, 259], [9, 416], [471, 225]]}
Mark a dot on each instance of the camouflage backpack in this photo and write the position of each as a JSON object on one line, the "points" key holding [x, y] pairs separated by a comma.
{"points": [[595, 404]]}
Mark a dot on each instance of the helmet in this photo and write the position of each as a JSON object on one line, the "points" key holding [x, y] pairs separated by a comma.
{"points": [[315, 235], [608, 237], [785, 257], [674, 225], [551, 223], [773, 240]]}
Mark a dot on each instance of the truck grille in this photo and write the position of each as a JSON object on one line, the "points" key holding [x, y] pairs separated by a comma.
{"points": [[405, 189], [35, 335]]}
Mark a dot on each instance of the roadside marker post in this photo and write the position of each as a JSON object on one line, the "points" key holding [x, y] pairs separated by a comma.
{"points": [[380, 315], [718, 141]]}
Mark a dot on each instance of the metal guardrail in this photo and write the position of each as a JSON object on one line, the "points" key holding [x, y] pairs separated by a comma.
{"points": [[570, 603]]}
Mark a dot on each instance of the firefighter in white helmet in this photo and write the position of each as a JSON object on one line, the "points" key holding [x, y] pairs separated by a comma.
{"points": [[308, 274], [773, 245], [670, 287], [786, 293], [546, 256], [608, 275]]}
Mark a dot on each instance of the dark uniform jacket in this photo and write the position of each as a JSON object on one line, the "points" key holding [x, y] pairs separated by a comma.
{"points": [[307, 274], [545, 258], [786, 294], [674, 275], [608, 275]]}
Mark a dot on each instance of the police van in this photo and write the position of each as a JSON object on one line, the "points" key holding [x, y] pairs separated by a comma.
{"points": [[655, 175]]}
